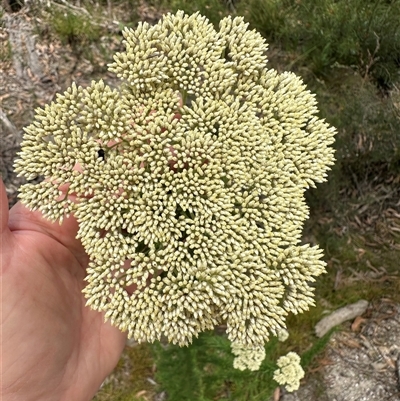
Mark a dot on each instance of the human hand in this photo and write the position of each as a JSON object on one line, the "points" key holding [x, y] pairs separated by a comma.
{"points": [[53, 347]]}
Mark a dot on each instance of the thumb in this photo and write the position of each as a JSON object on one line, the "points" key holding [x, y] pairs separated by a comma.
{"points": [[3, 209]]}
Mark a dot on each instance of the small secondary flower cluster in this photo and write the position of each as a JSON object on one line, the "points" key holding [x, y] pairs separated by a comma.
{"points": [[187, 182], [247, 357], [250, 357], [290, 371]]}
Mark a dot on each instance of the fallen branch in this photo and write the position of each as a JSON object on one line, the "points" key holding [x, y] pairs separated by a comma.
{"points": [[7, 123], [71, 6], [348, 312]]}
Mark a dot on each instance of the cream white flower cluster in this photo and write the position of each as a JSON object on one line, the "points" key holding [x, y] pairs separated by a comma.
{"points": [[290, 371], [247, 357], [283, 335], [187, 182]]}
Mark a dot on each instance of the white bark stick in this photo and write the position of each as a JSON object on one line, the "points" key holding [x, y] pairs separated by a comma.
{"points": [[348, 312]]}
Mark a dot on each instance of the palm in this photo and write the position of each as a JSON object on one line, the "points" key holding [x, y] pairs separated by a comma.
{"points": [[46, 327]]}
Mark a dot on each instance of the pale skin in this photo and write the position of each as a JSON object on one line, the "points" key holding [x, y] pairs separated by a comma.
{"points": [[53, 347]]}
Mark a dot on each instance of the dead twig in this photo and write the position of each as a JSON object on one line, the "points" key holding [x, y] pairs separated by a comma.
{"points": [[371, 57], [339, 316], [398, 371], [8, 124], [71, 6]]}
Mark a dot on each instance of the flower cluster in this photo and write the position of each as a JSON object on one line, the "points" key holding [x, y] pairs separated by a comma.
{"points": [[290, 371], [187, 182], [247, 357]]}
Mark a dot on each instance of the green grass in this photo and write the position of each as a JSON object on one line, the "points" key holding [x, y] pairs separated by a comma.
{"points": [[363, 34], [214, 10], [204, 371], [5, 51], [75, 29]]}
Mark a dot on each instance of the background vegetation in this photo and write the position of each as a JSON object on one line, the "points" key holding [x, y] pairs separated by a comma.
{"points": [[348, 53]]}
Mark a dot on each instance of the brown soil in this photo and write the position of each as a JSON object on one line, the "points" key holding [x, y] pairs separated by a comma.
{"points": [[361, 363]]}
